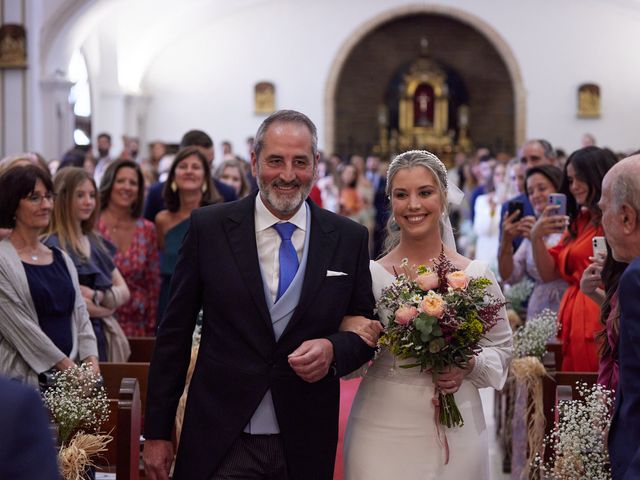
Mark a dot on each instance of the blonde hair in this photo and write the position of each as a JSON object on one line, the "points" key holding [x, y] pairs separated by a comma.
{"points": [[410, 159], [63, 224]]}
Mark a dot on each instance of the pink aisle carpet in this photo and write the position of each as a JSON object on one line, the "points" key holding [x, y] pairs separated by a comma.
{"points": [[348, 389]]}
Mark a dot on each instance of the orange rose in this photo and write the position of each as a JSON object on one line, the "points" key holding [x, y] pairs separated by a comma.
{"points": [[458, 279], [433, 305]]}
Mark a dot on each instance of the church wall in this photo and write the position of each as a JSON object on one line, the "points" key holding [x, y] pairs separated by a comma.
{"points": [[206, 79]]}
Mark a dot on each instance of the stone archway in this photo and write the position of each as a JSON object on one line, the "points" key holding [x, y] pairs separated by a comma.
{"points": [[377, 49]]}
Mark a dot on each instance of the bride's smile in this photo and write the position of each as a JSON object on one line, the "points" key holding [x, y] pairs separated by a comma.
{"points": [[416, 200]]}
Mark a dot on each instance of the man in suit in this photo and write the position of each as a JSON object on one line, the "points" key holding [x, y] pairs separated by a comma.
{"points": [[193, 138], [263, 399], [27, 450], [620, 204]]}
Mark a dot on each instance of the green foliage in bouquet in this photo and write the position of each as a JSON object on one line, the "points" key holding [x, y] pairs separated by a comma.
{"points": [[437, 320]]}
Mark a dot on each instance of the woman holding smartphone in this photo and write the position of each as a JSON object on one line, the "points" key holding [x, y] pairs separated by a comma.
{"points": [[540, 182], [578, 317]]}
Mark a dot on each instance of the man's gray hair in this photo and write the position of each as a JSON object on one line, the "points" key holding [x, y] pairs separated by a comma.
{"points": [[549, 152], [286, 116], [626, 188]]}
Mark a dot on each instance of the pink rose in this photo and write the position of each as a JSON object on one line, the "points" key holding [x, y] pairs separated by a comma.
{"points": [[433, 304], [458, 279], [405, 314], [428, 281]]}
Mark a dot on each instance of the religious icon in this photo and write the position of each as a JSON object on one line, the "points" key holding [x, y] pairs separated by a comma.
{"points": [[265, 97], [13, 46], [423, 103], [588, 101]]}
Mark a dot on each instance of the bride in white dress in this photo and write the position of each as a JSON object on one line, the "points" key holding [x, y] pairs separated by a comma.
{"points": [[391, 430]]}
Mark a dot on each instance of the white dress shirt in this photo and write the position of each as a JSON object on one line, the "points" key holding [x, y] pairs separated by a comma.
{"points": [[268, 241]]}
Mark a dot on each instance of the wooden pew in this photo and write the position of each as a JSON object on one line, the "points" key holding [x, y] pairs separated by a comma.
{"points": [[141, 348], [551, 386], [113, 373], [125, 419], [555, 347]]}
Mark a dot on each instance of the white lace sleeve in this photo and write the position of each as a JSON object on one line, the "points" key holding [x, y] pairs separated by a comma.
{"points": [[492, 364]]}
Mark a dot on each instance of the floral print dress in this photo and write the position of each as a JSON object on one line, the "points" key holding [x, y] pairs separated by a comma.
{"points": [[140, 268]]}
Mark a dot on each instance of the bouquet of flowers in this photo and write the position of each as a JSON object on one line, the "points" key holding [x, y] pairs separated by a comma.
{"points": [[437, 319], [578, 441], [79, 406]]}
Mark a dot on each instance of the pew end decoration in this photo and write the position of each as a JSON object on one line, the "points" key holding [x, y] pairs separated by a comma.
{"points": [[578, 441], [78, 405], [529, 346]]}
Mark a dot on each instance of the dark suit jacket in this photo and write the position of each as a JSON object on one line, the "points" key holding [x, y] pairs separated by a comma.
{"points": [[624, 436], [155, 201], [239, 359], [27, 450]]}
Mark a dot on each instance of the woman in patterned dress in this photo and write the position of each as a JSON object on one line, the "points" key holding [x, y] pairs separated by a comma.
{"points": [[121, 199]]}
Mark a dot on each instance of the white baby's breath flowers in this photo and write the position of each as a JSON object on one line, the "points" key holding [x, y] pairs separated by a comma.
{"points": [[531, 339], [518, 293], [578, 440], [77, 401]]}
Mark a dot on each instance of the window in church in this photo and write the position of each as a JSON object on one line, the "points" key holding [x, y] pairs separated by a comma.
{"points": [[80, 99]]}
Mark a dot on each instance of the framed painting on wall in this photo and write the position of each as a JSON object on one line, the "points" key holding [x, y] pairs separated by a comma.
{"points": [[13, 46]]}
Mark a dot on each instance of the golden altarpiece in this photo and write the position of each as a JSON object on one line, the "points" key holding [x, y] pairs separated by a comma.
{"points": [[421, 115]]}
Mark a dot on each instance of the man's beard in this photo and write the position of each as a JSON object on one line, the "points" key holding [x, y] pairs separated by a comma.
{"points": [[103, 152], [285, 205]]}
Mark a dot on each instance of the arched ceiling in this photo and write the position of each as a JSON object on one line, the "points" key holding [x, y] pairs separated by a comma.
{"points": [[138, 30]]}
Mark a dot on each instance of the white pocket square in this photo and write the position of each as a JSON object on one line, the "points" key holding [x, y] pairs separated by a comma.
{"points": [[331, 273]]}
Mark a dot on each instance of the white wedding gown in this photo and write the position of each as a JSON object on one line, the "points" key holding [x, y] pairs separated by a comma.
{"points": [[391, 431]]}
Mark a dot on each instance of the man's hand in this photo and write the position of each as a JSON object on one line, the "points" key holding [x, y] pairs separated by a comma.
{"points": [[157, 456], [312, 359]]}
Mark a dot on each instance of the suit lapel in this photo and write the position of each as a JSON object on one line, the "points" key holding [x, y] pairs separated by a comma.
{"points": [[240, 229], [323, 241]]}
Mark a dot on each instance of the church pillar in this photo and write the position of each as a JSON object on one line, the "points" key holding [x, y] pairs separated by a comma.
{"points": [[57, 116], [13, 89], [136, 107]]}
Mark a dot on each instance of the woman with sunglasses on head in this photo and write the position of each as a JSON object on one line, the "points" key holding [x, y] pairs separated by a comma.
{"points": [[44, 323], [103, 288]]}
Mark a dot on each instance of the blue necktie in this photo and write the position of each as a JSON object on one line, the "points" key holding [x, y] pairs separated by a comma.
{"points": [[288, 257]]}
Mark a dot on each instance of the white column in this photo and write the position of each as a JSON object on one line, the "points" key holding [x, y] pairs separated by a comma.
{"points": [[135, 119], [13, 90], [57, 116]]}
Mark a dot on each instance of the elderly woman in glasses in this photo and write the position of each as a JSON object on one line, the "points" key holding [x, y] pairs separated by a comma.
{"points": [[44, 324]]}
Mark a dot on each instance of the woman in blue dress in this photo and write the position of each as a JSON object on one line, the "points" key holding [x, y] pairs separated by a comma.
{"points": [[188, 187], [44, 324]]}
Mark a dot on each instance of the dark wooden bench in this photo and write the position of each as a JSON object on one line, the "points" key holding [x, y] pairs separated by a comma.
{"points": [[125, 420], [113, 373], [141, 348], [555, 347]]}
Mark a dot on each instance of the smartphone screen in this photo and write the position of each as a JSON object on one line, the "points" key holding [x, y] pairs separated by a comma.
{"points": [[513, 206], [560, 201]]}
